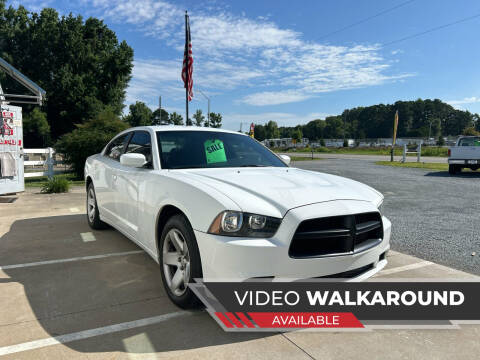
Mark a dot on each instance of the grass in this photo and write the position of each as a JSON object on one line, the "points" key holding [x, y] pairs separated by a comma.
{"points": [[56, 185], [41, 181], [427, 166], [426, 151], [303, 158]]}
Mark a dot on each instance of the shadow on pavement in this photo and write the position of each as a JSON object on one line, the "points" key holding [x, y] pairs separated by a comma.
{"points": [[75, 296], [469, 174]]}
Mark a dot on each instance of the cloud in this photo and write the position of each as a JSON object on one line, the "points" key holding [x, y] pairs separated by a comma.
{"points": [[467, 100], [33, 5], [232, 51], [274, 97]]}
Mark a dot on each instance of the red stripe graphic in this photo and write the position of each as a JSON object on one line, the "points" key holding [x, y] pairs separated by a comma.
{"points": [[305, 320], [245, 320], [234, 320], [224, 320]]}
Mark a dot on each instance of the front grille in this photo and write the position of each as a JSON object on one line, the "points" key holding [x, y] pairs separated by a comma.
{"points": [[337, 235]]}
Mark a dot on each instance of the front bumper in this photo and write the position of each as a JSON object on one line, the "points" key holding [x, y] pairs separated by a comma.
{"points": [[238, 259]]}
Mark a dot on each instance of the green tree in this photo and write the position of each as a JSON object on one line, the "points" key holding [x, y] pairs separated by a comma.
{"points": [[89, 138], [36, 131], [175, 119], [189, 122], [80, 63], [259, 132], [215, 120], [297, 135], [333, 127], [160, 120], [199, 118], [139, 115], [271, 130], [470, 131], [440, 141]]}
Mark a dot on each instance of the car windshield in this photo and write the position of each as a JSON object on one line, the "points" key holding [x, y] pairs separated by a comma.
{"points": [[469, 141], [212, 149]]}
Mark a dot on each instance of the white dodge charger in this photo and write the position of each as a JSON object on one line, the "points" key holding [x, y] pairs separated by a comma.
{"points": [[216, 204]]}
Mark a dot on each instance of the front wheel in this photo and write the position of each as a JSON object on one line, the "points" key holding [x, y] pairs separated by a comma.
{"points": [[93, 215], [179, 261]]}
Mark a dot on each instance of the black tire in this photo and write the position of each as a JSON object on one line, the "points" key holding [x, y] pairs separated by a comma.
{"points": [[186, 300], [452, 169], [94, 221]]}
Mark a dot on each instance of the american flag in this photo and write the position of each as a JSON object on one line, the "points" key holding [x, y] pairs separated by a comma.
{"points": [[188, 50]]}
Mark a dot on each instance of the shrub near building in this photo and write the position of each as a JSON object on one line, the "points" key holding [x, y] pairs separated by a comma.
{"points": [[89, 138]]}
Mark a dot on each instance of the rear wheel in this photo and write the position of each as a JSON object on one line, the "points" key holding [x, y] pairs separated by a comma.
{"points": [[453, 169], [179, 261], [93, 216]]}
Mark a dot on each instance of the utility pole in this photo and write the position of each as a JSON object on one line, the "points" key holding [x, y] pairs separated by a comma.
{"points": [[160, 110], [208, 112]]}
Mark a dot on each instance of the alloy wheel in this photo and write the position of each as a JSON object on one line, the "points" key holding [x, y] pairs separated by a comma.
{"points": [[91, 206], [176, 262]]}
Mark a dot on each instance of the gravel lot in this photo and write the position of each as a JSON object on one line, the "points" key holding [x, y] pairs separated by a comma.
{"points": [[435, 216]]}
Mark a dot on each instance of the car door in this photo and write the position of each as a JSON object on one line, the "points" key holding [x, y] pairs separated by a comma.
{"points": [[130, 180], [106, 188]]}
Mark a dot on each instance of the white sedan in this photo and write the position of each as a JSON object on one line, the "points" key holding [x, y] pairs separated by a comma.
{"points": [[218, 205]]}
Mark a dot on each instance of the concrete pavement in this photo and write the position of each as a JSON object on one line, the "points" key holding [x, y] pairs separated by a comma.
{"points": [[68, 295]]}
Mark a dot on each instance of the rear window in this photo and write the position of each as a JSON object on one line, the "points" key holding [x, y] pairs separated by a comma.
{"points": [[470, 141]]}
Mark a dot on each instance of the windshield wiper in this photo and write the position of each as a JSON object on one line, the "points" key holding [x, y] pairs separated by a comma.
{"points": [[253, 165], [189, 167]]}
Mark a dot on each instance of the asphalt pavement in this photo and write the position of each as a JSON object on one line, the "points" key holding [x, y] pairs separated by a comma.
{"points": [[435, 216]]}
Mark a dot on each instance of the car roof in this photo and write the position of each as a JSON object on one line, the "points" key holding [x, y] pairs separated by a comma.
{"points": [[182, 128]]}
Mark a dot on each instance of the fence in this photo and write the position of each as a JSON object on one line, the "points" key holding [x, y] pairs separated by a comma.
{"points": [[48, 163], [417, 150]]}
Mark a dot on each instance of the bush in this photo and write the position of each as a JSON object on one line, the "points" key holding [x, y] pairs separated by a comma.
{"points": [[441, 141], [56, 185], [88, 139]]}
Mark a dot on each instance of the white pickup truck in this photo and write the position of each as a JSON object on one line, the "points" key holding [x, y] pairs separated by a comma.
{"points": [[465, 154]]}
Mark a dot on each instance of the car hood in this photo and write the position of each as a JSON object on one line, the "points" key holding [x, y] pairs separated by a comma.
{"points": [[273, 191]]}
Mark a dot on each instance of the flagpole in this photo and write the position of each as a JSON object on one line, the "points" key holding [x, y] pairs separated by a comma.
{"points": [[186, 68]]}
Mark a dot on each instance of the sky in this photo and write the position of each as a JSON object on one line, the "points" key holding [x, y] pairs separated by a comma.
{"points": [[294, 61]]}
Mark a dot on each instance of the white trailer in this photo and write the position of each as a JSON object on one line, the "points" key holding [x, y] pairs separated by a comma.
{"points": [[11, 150], [11, 130]]}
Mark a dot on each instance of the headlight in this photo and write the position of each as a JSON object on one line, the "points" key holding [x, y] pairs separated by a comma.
{"points": [[235, 223]]}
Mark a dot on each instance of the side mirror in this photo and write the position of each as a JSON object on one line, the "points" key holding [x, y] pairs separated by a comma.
{"points": [[286, 159], [133, 160]]}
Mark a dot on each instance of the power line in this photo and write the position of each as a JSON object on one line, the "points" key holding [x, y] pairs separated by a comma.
{"points": [[431, 30], [366, 19]]}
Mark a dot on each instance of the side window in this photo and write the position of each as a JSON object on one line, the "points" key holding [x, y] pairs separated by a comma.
{"points": [[116, 147], [141, 143]]}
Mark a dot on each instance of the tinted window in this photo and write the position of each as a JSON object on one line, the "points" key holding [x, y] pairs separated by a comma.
{"points": [[116, 147], [471, 141], [209, 149], [141, 143]]}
